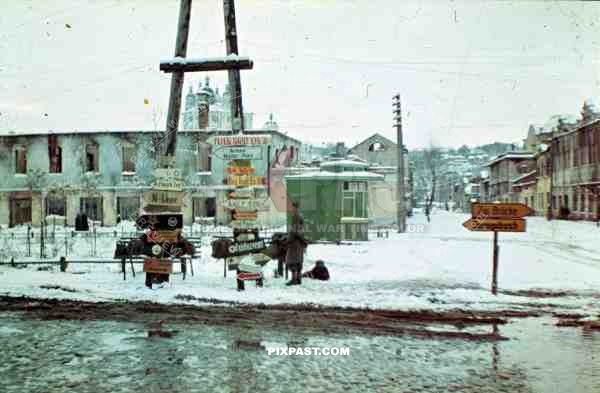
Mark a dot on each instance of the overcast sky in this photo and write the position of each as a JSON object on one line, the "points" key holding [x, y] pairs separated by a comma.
{"points": [[468, 72]]}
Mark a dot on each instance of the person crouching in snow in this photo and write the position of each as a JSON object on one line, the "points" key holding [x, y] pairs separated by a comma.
{"points": [[296, 244], [318, 272]]}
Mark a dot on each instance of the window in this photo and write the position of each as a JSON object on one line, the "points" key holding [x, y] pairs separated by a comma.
{"points": [[204, 157], [204, 207], [127, 207], [56, 205], [54, 155], [355, 199], [128, 157], [91, 157], [21, 160], [91, 207], [376, 147]]}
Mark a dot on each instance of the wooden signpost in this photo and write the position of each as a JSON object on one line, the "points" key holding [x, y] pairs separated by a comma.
{"points": [[495, 224], [158, 266], [497, 217], [501, 210]]}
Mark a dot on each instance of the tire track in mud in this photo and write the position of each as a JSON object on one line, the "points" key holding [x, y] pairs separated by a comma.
{"points": [[457, 324]]}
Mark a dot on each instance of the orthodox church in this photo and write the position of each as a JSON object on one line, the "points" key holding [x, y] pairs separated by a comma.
{"points": [[207, 108]]}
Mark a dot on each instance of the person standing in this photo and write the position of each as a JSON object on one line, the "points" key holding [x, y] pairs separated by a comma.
{"points": [[296, 245]]}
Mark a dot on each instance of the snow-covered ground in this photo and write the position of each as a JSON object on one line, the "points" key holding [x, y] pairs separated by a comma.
{"points": [[436, 265]]}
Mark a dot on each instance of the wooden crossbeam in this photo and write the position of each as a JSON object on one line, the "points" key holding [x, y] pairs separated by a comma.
{"points": [[180, 64]]}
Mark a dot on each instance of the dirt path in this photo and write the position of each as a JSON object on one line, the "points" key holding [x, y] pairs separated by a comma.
{"points": [[323, 320]]}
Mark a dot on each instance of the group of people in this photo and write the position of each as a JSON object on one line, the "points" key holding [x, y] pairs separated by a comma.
{"points": [[296, 246]]}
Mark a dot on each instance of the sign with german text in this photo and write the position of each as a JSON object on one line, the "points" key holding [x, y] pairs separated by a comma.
{"points": [[243, 248], [245, 215], [240, 170], [159, 266], [238, 140], [166, 198], [242, 153], [244, 180], [246, 204], [485, 224], [500, 210], [249, 276]]}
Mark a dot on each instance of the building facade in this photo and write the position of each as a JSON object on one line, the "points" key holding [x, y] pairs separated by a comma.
{"points": [[575, 183], [104, 174], [504, 170]]}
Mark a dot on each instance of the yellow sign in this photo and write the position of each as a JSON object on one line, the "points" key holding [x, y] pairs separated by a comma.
{"points": [[244, 180], [245, 215]]}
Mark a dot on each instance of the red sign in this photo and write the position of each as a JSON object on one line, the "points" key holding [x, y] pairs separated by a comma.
{"points": [[249, 276]]}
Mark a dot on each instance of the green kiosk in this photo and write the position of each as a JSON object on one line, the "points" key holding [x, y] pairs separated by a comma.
{"points": [[333, 200]]}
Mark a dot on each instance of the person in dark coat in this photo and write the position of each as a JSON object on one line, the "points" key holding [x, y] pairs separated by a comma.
{"points": [[296, 244], [318, 272], [81, 222]]}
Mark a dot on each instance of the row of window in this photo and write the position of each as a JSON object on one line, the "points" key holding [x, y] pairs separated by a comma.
{"points": [[128, 155], [127, 206], [55, 158], [577, 203], [577, 149]]}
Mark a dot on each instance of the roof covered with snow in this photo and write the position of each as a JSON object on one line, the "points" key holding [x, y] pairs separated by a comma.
{"points": [[511, 155], [16, 134], [346, 175], [344, 163], [523, 176]]}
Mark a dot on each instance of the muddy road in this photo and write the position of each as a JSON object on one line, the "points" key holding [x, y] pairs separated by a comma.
{"points": [[56, 346], [326, 320]]}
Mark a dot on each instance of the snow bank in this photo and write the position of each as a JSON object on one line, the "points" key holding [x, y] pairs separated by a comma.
{"points": [[440, 266]]}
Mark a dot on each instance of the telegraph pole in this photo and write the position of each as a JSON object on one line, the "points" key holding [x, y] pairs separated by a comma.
{"points": [[401, 209], [183, 28], [235, 84]]}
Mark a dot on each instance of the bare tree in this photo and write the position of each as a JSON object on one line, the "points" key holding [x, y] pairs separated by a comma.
{"points": [[432, 162]]}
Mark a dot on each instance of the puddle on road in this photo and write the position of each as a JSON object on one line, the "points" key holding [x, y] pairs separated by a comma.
{"points": [[105, 356]]}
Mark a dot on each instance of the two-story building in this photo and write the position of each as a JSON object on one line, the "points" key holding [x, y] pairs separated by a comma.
{"points": [[105, 173], [504, 170], [575, 173]]}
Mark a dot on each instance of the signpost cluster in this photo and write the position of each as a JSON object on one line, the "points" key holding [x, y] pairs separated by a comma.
{"points": [[497, 217]]}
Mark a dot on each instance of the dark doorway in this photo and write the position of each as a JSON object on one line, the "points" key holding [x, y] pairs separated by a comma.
{"points": [[91, 207], [127, 207], [20, 211]]}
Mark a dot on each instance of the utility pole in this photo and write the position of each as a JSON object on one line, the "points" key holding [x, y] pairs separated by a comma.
{"points": [[183, 29], [401, 209], [235, 84]]}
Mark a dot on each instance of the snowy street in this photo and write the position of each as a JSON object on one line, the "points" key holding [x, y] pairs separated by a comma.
{"points": [[438, 265]]}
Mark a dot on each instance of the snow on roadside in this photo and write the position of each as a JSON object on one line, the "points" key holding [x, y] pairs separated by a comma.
{"points": [[439, 265]]}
